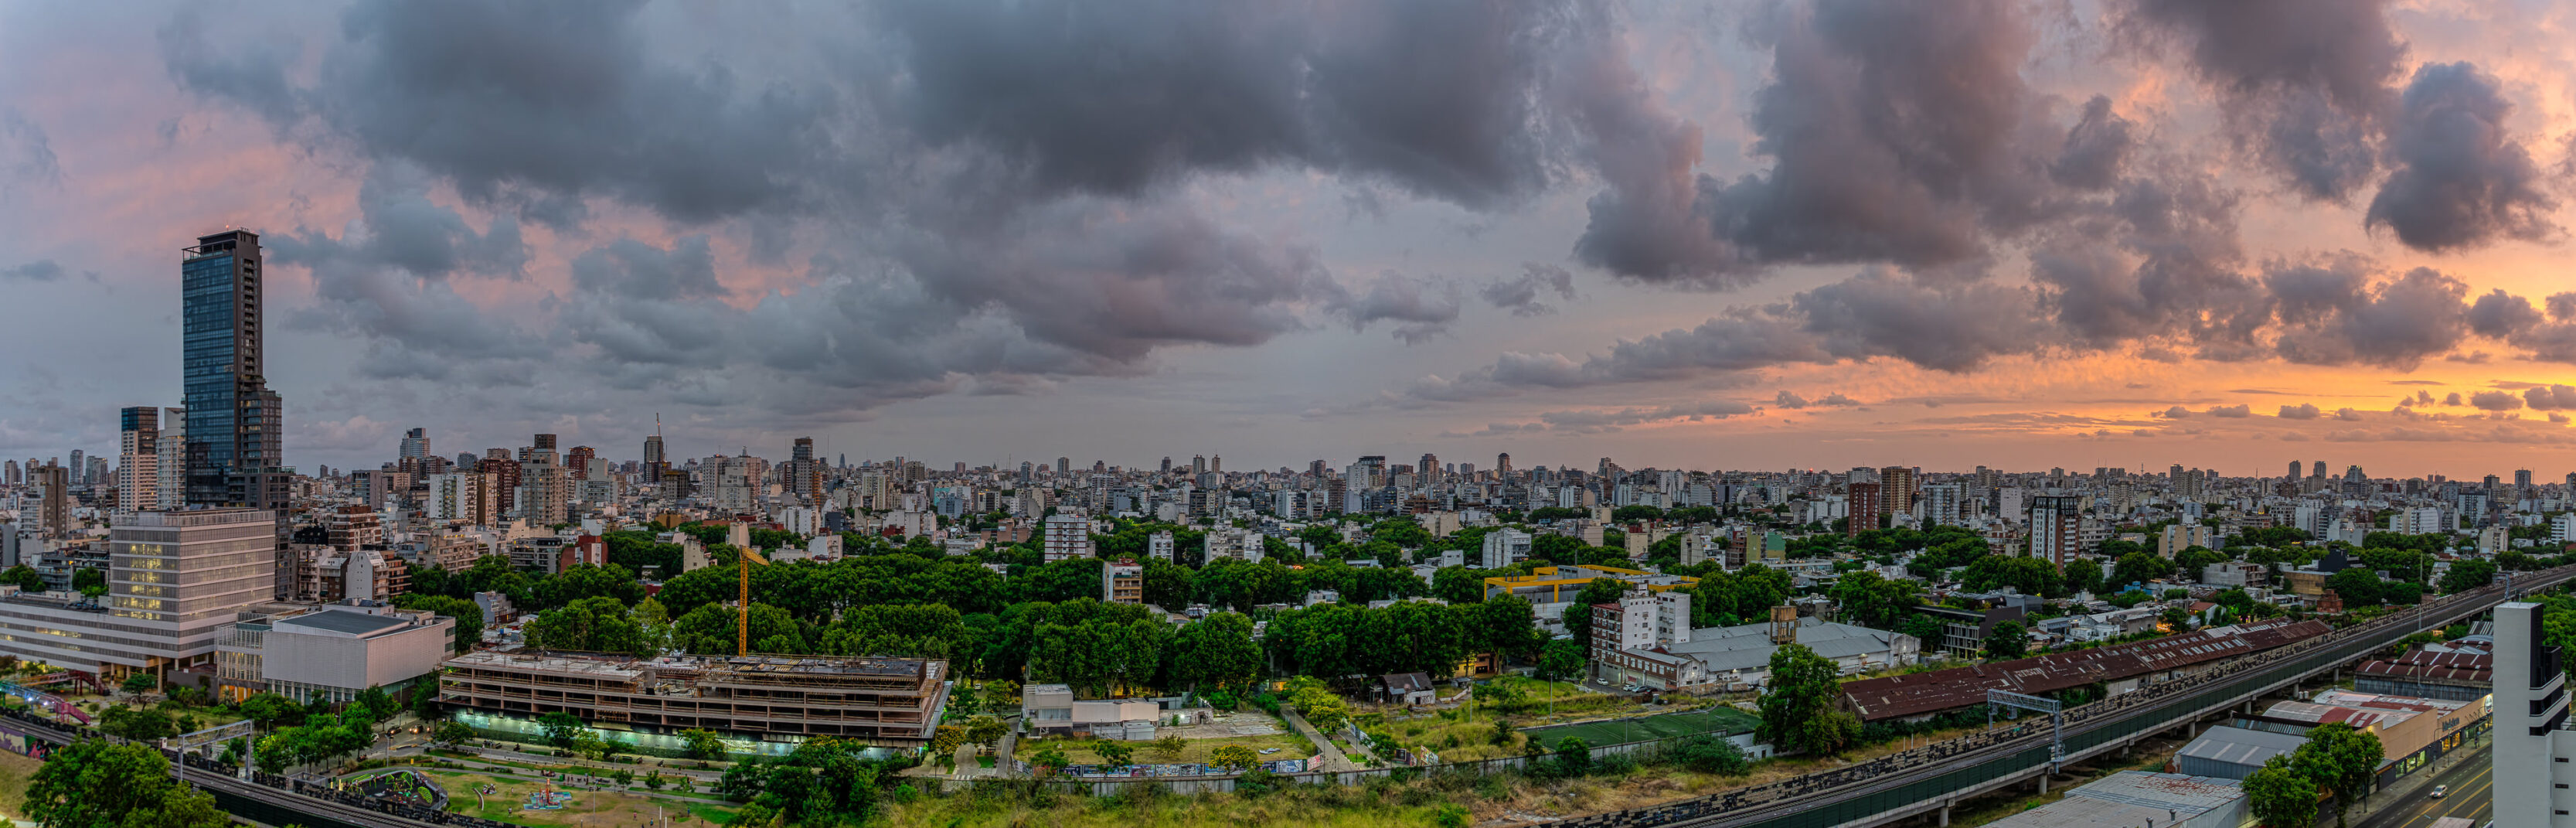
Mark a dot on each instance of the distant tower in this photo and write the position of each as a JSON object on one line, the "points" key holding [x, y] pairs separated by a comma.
{"points": [[654, 464], [415, 445]]}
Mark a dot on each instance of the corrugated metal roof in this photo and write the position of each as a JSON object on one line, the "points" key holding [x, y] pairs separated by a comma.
{"points": [[2238, 746], [1919, 693]]}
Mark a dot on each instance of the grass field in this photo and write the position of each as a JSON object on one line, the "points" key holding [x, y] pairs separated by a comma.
{"points": [[600, 808], [15, 772], [1726, 721], [1079, 752]]}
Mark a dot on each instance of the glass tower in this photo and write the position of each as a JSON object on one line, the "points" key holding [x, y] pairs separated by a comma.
{"points": [[233, 419]]}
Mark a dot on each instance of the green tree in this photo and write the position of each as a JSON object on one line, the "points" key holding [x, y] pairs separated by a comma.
{"points": [[1711, 754], [86, 577], [376, 703], [468, 615], [2194, 559], [139, 684], [1798, 709], [1573, 756], [1049, 759], [1872, 601], [2280, 796], [2139, 568], [2467, 575], [2343, 760], [1234, 756], [137, 723], [1113, 753], [452, 733], [2358, 587], [23, 577], [1216, 652], [1578, 617], [1560, 660], [983, 730], [561, 728], [93, 784], [1506, 626], [700, 743], [2008, 640]]}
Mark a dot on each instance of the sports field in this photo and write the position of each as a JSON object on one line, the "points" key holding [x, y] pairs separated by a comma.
{"points": [[1723, 721]]}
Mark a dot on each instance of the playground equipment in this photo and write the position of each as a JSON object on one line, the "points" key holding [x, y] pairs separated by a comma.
{"points": [[44, 702], [546, 798], [405, 785]]}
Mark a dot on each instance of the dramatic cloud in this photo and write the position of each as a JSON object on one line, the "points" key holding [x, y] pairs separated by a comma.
{"points": [[2495, 401], [2332, 316], [1520, 294], [1421, 308], [2304, 81], [2550, 398], [2460, 180]]}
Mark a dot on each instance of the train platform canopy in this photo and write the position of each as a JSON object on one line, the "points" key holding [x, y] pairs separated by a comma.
{"points": [[1921, 694]]}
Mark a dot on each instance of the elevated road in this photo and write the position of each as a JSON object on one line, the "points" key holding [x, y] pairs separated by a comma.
{"points": [[1929, 779]]}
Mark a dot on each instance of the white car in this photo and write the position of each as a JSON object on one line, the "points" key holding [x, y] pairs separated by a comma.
{"points": [[2439, 790]]}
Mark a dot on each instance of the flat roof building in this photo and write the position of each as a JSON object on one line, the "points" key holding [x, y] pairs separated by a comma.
{"points": [[176, 581], [333, 653], [892, 702]]}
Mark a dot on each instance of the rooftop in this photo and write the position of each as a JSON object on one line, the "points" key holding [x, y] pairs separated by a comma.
{"points": [[2239, 746], [1919, 693], [359, 624], [2129, 799]]}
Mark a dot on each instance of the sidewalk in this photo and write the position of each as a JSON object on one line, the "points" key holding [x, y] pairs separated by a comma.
{"points": [[1333, 758]]}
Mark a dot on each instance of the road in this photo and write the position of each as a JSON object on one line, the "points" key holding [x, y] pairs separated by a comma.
{"points": [[2472, 792]]}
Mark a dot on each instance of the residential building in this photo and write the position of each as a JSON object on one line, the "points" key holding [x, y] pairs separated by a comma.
{"points": [[467, 497], [1740, 656], [2178, 537], [1067, 537], [170, 465], [1122, 582], [2056, 527], [1504, 547], [175, 581], [1158, 546], [138, 458], [234, 420], [331, 654], [53, 500], [1896, 490], [1866, 500]]}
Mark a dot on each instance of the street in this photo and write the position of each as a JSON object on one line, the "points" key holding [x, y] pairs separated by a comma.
{"points": [[2472, 789]]}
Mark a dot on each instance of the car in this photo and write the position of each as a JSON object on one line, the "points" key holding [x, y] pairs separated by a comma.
{"points": [[2439, 790]]}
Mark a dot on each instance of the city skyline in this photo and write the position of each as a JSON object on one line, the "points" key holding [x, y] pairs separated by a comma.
{"points": [[1739, 239]]}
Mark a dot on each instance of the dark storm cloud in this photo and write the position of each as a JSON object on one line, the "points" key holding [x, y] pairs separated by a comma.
{"points": [[1945, 329], [1899, 132], [2330, 316], [1521, 294], [2460, 180], [2304, 80], [400, 228], [562, 99], [2095, 149]]}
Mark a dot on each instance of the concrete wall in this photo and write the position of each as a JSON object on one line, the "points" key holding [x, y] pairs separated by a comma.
{"points": [[343, 661]]}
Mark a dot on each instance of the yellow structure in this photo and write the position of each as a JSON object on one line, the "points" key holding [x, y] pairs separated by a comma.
{"points": [[1557, 584]]}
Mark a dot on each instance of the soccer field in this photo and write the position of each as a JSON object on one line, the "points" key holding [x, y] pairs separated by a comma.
{"points": [[1724, 721]]}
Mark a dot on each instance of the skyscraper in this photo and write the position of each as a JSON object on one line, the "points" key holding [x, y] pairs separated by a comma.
{"points": [[1896, 490], [233, 418], [1429, 471], [415, 445], [138, 458], [1862, 509], [653, 462], [80, 468]]}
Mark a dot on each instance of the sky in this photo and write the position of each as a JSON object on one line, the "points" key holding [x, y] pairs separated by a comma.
{"points": [[1766, 234]]}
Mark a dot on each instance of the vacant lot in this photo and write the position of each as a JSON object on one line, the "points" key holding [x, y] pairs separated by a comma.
{"points": [[588, 807]]}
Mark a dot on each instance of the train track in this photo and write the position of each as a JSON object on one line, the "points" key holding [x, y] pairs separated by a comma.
{"points": [[1884, 789]]}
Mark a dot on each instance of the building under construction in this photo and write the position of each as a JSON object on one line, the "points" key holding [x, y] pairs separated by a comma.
{"points": [[888, 702]]}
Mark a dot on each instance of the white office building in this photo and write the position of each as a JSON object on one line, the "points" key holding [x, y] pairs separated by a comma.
{"points": [[175, 581], [1503, 547], [2532, 743], [333, 653]]}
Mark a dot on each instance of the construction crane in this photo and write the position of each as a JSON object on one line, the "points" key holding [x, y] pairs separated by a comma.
{"points": [[742, 621]]}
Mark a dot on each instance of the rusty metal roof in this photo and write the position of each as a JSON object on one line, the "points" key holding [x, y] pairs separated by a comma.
{"points": [[1920, 693]]}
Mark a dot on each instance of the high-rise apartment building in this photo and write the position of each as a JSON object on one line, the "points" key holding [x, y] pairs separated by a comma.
{"points": [[469, 497], [1428, 472], [80, 468], [9, 473], [2056, 527], [138, 457], [1067, 537], [53, 499], [542, 487], [415, 445], [1896, 490], [234, 419], [1863, 509], [170, 466]]}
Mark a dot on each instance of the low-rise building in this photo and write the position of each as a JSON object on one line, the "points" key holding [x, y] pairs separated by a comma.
{"points": [[331, 654], [1739, 656], [1052, 709], [778, 700], [2133, 798]]}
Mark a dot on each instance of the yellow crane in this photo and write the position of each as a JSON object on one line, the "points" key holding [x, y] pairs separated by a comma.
{"points": [[742, 620]]}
